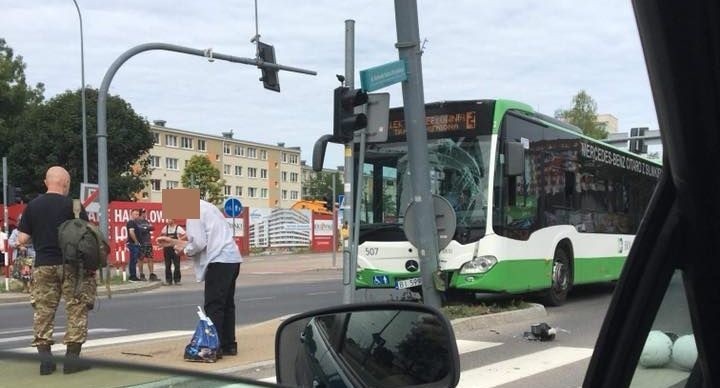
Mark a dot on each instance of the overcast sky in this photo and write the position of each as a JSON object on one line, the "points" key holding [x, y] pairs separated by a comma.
{"points": [[538, 52]]}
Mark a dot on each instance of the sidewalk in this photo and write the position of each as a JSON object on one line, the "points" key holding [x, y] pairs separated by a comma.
{"points": [[253, 265]]}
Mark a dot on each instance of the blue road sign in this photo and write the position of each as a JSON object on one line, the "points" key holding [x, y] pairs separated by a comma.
{"points": [[233, 207], [381, 76]]}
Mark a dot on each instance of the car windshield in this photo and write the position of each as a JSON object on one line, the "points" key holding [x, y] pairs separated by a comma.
{"points": [[541, 136]]}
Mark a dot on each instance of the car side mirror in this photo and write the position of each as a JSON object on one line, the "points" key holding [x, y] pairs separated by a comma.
{"points": [[389, 344], [514, 158]]}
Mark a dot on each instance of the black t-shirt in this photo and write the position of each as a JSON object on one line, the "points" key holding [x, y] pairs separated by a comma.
{"points": [[41, 219], [131, 224], [142, 231]]}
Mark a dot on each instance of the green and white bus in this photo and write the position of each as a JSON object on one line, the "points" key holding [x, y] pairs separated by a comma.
{"points": [[539, 206]]}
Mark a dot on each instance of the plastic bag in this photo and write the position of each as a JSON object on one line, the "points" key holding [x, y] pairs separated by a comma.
{"points": [[203, 346]]}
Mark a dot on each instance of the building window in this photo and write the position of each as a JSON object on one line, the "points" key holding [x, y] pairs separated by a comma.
{"points": [[155, 161], [239, 150], [263, 193], [156, 138], [252, 172], [252, 192], [293, 194], [284, 194], [263, 173], [171, 163], [238, 191], [171, 140], [155, 184], [293, 159], [284, 157], [226, 169], [238, 170], [201, 145], [252, 153], [186, 142], [226, 149], [263, 154], [228, 190], [293, 177], [284, 176], [172, 184]]}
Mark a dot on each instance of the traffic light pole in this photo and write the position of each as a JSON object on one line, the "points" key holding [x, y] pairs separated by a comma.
{"points": [[5, 223], [349, 251], [409, 49], [102, 105]]}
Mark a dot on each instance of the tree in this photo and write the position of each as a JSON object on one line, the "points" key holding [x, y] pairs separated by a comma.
{"points": [[201, 174], [15, 95], [50, 133], [320, 184], [583, 115]]}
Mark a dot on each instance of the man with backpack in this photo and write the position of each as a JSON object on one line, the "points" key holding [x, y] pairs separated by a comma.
{"points": [[52, 277]]}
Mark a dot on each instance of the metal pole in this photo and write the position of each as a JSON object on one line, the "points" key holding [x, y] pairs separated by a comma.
{"points": [[358, 202], [102, 104], [349, 262], [82, 92], [334, 223], [5, 222], [409, 49]]}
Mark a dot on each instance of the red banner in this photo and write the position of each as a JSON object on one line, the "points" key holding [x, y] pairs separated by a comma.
{"points": [[322, 232]]}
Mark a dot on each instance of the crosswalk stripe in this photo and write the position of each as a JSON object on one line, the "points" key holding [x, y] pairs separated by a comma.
{"points": [[520, 367], [117, 340], [464, 346], [30, 337]]}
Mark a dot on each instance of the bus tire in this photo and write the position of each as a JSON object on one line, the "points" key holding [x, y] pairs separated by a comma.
{"points": [[561, 279]]}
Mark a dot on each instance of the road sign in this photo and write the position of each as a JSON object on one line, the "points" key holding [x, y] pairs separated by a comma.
{"points": [[90, 197], [381, 76], [232, 207], [378, 116]]}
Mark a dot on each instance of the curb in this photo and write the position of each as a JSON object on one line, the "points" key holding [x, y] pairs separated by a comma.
{"points": [[101, 291], [535, 311]]}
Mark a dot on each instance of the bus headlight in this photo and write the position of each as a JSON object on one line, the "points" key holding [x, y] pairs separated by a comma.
{"points": [[480, 264]]}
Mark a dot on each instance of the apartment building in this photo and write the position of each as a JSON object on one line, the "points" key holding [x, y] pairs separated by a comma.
{"points": [[261, 175], [309, 174]]}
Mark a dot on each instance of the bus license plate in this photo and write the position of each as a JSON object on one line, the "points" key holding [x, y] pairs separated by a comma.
{"points": [[408, 283]]}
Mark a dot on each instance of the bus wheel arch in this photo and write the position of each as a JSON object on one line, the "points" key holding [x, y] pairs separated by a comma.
{"points": [[561, 275]]}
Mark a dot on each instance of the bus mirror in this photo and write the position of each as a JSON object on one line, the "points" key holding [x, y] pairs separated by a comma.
{"points": [[318, 157], [514, 158]]}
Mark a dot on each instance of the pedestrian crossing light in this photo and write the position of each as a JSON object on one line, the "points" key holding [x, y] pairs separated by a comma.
{"points": [[345, 120]]}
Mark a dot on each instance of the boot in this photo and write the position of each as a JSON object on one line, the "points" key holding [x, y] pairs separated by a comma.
{"points": [[47, 365], [230, 349], [72, 359]]}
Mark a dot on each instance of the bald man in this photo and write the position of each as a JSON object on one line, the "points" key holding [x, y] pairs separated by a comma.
{"points": [[40, 221]]}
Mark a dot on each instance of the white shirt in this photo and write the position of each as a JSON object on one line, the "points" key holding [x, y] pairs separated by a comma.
{"points": [[3, 237], [210, 240], [177, 229]]}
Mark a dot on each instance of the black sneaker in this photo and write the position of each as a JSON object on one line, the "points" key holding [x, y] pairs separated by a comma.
{"points": [[133, 279], [154, 278], [142, 277]]}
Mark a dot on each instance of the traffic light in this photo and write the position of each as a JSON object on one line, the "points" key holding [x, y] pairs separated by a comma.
{"points": [[269, 78], [345, 121]]}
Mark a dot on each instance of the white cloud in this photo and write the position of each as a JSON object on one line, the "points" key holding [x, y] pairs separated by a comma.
{"points": [[541, 53]]}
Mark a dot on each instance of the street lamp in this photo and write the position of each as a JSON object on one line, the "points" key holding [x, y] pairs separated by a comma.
{"points": [[82, 91]]}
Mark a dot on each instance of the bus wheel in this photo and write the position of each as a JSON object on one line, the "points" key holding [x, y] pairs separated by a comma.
{"points": [[561, 279]]}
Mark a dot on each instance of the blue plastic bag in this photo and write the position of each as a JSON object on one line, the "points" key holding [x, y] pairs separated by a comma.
{"points": [[203, 346]]}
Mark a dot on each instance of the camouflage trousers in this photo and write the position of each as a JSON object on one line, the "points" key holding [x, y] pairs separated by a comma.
{"points": [[49, 284]]}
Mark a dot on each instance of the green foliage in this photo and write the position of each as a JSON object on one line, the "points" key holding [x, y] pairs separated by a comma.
{"points": [[320, 185], [201, 174], [583, 115], [51, 134]]}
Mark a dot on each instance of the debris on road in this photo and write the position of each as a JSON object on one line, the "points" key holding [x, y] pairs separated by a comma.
{"points": [[540, 332]]}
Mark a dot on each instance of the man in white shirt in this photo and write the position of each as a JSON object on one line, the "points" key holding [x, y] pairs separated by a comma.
{"points": [[216, 258]]}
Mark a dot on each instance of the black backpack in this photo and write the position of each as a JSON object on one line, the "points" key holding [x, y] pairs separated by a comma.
{"points": [[83, 246]]}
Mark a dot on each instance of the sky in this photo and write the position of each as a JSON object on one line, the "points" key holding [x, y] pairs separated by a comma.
{"points": [[540, 53]]}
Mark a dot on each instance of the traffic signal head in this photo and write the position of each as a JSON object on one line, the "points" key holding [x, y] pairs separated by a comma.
{"points": [[269, 78], [345, 121]]}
